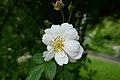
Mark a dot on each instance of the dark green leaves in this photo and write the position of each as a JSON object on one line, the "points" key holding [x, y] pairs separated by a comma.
{"points": [[67, 75], [50, 69], [36, 73], [38, 59], [72, 66]]}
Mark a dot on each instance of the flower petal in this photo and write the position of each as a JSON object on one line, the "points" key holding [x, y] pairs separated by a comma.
{"points": [[47, 39], [72, 45], [70, 54], [49, 47], [81, 50], [48, 31], [71, 35], [66, 27], [61, 58], [56, 30], [73, 49], [48, 55]]}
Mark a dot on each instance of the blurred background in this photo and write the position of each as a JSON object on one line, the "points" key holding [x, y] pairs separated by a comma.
{"points": [[22, 26]]}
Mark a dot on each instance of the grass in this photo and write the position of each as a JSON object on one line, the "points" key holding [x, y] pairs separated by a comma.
{"points": [[106, 69]]}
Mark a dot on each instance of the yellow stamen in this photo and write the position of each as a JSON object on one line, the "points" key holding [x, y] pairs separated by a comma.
{"points": [[58, 43]]}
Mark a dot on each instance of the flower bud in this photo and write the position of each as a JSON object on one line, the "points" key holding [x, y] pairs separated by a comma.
{"points": [[58, 5], [47, 23], [70, 7], [42, 31]]}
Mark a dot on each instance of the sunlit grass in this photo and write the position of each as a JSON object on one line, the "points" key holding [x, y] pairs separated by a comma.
{"points": [[106, 69]]}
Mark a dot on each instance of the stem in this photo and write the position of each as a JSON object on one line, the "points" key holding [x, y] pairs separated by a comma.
{"points": [[62, 15], [69, 18]]}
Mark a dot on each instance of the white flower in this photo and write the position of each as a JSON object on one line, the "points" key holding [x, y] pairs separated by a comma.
{"points": [[62, 44]]}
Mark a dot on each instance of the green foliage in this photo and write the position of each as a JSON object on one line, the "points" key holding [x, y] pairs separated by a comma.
{"points": [[36, 73], [67, 75], [50, 69], [5, 2], [21, 30], [38, 59], [72, 66], [105, 36]]}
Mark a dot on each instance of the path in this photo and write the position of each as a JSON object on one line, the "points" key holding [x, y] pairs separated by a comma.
{"points": [[110, 57]]}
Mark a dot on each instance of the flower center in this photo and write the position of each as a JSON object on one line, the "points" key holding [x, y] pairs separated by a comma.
{"points": [[58, 43]]}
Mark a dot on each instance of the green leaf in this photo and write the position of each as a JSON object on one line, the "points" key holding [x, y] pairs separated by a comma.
{"points": [[38, 59], [67, 75], [36, 73], [72, 66], [50, 69]]}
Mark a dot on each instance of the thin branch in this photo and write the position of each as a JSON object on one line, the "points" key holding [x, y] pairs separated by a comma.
{"points": [[62, 15], [69, 18]]}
